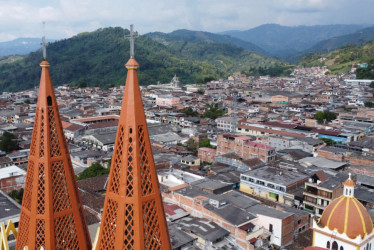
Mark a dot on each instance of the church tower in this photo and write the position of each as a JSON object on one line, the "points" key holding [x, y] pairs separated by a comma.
{"points": [[133, 216], [345, 223], [51, 214]]}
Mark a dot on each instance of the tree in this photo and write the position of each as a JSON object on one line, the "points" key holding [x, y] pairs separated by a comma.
{"points": [[213, 112], [323, 117], [371, 84], [82, 85], [329, 142], [369, 104], [190, 112], [17, 195], [8, 142], [94, 170], [192, 145]]}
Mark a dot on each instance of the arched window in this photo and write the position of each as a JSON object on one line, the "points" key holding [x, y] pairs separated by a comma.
{"points": [[341, 248], [335, 246], [328, 245]]}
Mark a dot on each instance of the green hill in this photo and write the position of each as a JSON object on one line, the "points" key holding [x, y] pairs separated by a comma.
{"points": [[97, 58], [341, 60], [201, 37], [224, 52]]}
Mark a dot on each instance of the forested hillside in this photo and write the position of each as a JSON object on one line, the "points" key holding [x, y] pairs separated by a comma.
{"points": [[97, 58]]}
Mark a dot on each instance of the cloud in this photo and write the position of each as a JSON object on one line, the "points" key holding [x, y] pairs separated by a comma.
{"points": [[65, 18], [303, 6]]}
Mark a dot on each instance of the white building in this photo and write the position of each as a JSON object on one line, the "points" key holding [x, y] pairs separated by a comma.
{"points": [[226, 123]]}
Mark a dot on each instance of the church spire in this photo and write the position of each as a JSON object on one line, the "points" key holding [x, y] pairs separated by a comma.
{"points": [[133, 215], [51, 214]]}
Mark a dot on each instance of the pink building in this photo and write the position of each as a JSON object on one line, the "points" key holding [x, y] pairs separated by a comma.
{"points": [[206, 154], [167, 101]]}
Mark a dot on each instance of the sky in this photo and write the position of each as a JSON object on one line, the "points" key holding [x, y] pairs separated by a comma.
{"points": [[66, 18]]}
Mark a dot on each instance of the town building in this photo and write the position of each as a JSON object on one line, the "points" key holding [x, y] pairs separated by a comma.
{"points": [[272, 184], [319, 191], [244, 147]]}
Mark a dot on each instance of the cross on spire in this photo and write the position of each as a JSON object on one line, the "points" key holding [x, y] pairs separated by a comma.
{"points": [[132, 37], [44, 46]]}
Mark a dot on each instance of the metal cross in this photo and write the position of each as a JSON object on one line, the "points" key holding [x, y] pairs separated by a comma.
{"points": [[132, 37], [44, 46]]}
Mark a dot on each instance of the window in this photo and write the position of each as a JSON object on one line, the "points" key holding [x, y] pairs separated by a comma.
{"points": [[328, 245], [335, 246], [270, 228], [341, 248], [260, 183], [49, 101]]}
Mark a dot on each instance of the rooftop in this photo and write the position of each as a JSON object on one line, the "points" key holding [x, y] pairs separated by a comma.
{"points": [[275, 175]]}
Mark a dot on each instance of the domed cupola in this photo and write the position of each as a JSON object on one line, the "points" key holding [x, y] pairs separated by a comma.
{"points": [[347, 215]]}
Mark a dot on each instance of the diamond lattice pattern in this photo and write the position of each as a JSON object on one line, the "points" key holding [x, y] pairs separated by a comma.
{"points": [[114, 185], [66, 236], [151, 227], [109, 223], [144, 164], [61, 200]]}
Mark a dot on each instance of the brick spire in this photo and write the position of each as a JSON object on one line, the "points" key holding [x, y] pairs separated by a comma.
{"points": [[51, 214], [133, 216]]}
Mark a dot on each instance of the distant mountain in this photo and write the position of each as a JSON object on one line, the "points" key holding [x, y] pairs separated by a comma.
{"points": [[359, 37], [283, 41], [97, 58], [341, 60], [20, 46], [202, 36]]}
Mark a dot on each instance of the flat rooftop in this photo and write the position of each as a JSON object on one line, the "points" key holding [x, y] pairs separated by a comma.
{"points": [[275, 175]]}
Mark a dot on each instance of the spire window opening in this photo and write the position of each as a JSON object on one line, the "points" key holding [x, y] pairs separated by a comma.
{"points": [[49, 101]]}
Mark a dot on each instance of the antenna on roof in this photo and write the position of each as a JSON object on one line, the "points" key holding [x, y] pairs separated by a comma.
{"points": [[132, 37], [44, 43]]}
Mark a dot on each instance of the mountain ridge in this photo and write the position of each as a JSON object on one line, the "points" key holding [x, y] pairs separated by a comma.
{"points": [[284, 41], [89, 56]]}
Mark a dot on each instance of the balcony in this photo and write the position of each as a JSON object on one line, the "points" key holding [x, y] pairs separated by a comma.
{"points": [[316, 194]]}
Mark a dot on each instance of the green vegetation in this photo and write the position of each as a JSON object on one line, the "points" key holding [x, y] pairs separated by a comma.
{"points": [[371, 84], [329, 142], [324, 117], [369, 104], [366, 73], [272, 70], [8, 142], [190, 112], [17, 195], [94, 170], [213, 112], [192, 145], [342, 59], [97, 58], [205, 144]]}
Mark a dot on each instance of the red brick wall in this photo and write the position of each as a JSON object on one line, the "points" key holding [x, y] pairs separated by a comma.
{"points": [[12, 183], [360, 160], [330, 155]]}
